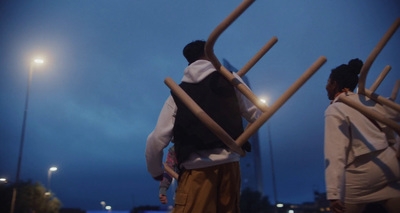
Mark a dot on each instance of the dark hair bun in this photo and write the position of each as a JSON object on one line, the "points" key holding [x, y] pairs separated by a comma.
{"points": [[355, 65]]}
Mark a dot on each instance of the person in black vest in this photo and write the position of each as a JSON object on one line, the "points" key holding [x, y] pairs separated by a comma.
{"points": [[209, 180]]}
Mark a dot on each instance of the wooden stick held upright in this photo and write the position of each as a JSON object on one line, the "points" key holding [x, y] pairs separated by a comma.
{"points": [[258, 56], [281, 100], [375, 52], [395, 90], [380, 78], [209, 50]]}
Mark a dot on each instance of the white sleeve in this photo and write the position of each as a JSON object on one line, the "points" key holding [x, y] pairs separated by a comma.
{"points": [[335, 149], [249, 111], [160, 138]]}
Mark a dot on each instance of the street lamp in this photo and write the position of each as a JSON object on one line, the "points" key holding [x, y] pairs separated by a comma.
{"points": [[52, 169], [33, 63], [3, 180], [272, 158]]}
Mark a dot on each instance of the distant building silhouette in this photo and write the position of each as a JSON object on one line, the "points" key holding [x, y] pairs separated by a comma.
{"points": [[251, 164]]}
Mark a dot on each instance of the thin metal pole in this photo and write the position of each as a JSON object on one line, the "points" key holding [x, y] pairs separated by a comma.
{"points": [[272, 164], [22, 141], [48, 180]]}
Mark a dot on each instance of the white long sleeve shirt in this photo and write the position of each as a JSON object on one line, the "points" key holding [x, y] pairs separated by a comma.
{"points": [[162, 134], [348, 135]]}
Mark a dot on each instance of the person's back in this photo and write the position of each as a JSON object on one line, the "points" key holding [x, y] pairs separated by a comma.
{"points": [[361, 163], [367, 135], [209, 180], [216, 96]]}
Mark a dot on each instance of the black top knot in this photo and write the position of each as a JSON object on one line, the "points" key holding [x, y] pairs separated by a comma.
{"points": [[355, 65]]}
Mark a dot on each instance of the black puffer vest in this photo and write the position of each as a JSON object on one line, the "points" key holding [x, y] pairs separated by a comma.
{"points": [[216, 96]]}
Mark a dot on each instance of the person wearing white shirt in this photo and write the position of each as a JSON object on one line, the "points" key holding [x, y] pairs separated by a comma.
{"points": [[209, 180], [361, 163]]}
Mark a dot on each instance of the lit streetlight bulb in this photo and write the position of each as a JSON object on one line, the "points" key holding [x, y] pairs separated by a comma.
{"points": [[38, 61]]}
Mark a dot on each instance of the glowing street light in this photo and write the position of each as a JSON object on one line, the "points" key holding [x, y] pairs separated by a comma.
{"points": [[52, 169], [3, 180], [33, 63], [264, 101], [103, 204], [38, 61]]}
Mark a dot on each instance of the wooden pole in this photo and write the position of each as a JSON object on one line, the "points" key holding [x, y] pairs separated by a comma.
{"points": [[395, 90], [209, 50], [380, 78], [258, 56], [375, 52], [274, 107]]}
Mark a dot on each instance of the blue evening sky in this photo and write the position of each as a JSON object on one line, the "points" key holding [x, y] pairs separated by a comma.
{"points": [[98, 95]]}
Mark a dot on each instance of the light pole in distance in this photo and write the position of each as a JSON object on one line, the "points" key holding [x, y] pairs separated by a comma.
{"points": [[21, 146], [52, 169]]}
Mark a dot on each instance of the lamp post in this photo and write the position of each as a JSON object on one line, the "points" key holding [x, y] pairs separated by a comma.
{"points": [[272, 160], [103, 204], [32, 64], [52, 169], [272, 165]]}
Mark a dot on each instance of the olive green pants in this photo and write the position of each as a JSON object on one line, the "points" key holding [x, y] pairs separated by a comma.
{"points": [[209, 190]]}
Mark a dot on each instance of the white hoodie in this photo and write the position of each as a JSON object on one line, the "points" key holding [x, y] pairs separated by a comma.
{"points": [[162, 134]]}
